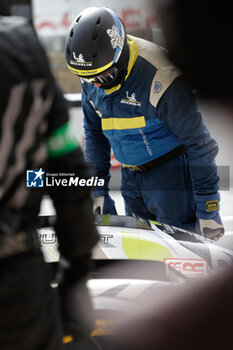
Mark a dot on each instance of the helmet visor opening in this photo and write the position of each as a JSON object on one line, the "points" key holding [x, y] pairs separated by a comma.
{"points": [[105, 77]]}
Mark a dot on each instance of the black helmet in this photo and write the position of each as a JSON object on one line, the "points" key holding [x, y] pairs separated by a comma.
{"points": [[96, 47]]}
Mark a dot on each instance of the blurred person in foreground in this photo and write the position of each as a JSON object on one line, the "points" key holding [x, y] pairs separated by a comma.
{"points": [[135, 101], [198, 35], [35, 134]]}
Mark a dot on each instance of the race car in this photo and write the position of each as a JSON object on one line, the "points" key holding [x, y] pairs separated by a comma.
{"points": [[125, 237], [135, 261]]}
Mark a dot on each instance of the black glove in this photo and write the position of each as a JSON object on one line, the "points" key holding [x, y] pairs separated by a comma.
{"points": [[75, 301]]}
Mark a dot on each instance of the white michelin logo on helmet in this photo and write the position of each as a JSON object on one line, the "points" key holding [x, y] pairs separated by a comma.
{"points": [[116, 39], [79, 58]]}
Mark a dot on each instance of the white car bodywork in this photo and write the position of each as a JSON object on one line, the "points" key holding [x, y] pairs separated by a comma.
{"points": [[124, 238]]}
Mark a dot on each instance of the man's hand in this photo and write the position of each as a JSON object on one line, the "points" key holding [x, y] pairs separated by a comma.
{"points": [[209, 222], [104, 205], [212, 229]]}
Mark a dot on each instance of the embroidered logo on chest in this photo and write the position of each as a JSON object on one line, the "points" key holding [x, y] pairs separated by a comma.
{"points": [[131, 100]]}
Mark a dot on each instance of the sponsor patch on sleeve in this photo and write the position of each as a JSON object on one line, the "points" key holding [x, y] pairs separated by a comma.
{"points": [[212, 205]]}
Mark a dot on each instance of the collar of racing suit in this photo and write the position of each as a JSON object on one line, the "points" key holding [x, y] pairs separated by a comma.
{"points": [[133, 54]]}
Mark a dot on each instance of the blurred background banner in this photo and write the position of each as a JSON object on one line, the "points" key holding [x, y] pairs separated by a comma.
{"points": [[53, 18], [135, 15]]}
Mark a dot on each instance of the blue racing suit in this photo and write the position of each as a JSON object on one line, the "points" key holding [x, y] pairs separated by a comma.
{"points": [[150, 116]]}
